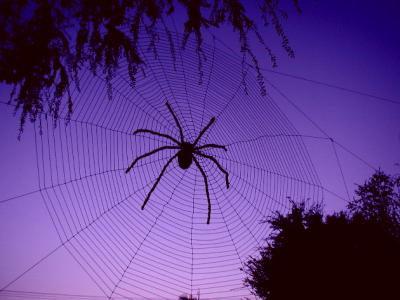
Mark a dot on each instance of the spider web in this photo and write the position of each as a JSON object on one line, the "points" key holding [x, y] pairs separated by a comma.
{"points": [[168, 249]]}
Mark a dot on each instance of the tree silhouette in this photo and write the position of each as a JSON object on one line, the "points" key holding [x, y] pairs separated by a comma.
{"points": [[378, 200], [340, 256], [44, 43]]}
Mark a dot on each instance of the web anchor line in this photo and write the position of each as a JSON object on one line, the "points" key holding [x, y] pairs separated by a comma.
{"points": [[59, 246], [302, 78], [326, 135]]}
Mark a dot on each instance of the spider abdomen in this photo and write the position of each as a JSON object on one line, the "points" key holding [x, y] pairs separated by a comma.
{"points": [[185, 155]]}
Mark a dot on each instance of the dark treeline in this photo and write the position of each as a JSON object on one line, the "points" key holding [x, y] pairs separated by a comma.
{"points": [[353, 254]]}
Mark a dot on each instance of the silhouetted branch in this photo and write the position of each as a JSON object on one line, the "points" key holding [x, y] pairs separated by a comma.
{"points": [[37, 58]]}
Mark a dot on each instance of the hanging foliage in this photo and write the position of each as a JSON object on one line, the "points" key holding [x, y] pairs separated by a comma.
{"points": [[44, 43]]}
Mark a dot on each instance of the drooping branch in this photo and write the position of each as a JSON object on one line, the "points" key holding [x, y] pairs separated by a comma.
{"points": [[44, 43]]}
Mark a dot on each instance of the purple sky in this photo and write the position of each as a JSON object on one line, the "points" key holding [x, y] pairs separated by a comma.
{"points": [[351, 45]]}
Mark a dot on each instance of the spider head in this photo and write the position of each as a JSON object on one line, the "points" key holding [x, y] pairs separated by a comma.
{"points": [[185, 155]]}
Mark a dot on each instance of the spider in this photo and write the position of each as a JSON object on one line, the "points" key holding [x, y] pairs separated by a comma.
{"points": [[186, 155]]}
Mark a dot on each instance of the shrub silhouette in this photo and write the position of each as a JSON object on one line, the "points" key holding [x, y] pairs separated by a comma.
{"points": [[348, 255], [378, 200]]}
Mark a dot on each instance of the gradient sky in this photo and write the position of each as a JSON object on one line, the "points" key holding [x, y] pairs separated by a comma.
{"points": [[351, 44]]}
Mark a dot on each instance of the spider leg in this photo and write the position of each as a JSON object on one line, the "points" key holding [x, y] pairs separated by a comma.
{"points": [[206, 184], [148, 154], [217, 164], [158, 134], [158, 180], [211, 146], [203, 131], [176, 121]]}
